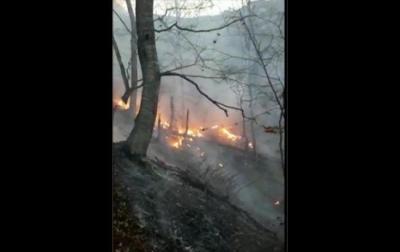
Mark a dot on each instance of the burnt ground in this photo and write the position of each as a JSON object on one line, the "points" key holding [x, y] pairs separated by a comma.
{"points": [[158, 207]]}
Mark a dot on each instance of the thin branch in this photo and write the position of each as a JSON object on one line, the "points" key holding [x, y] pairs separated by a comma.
{"points": [[221, 78], [281, 147], [202, 30], [132, 19], [220, 105], [121, 66], [122, 21], [253, 41], [181, 67], [236, 57], [277, 25], [266, 112], [161, 18], [198, 53], [127, 70], [129, 91]]}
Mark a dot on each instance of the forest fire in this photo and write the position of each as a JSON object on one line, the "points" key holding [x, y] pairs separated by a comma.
{"points": [[194, 133], [198, 125], [121, 105], [229, 135], [165, 125], [181, 137], [175, 141]]}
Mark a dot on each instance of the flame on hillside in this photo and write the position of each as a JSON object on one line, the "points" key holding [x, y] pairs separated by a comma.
{"points": [[119, 104]]}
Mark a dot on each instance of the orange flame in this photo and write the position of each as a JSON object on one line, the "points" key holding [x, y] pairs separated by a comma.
{"points": [[217, 132], [229, 135], [121, 105], [175, 141], [165, 125]]}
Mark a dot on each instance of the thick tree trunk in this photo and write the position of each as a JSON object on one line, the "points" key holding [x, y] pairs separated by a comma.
{"points": [[134, 73], [139, 138]]}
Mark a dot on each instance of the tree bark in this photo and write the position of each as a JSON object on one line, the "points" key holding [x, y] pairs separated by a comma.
{"points": [[187, 123], [172, 115], [134, 73], [252, 128], [244, 135], [251, 81], [139, 138], [281, 145], [159, 128]]}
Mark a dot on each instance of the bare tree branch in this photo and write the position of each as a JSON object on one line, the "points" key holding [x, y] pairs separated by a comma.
{"points": [[181, 67], [259, 55], [127, 70], [132, 19], [240, 57], [195, 49], [161, 18], [129, 91], [281, 146], [274, 23], [220, 105], [122, 21], [202, 30], [221, 78]]}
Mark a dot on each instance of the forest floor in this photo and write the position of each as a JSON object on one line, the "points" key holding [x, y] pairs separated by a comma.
{"points": [[161, 207]]}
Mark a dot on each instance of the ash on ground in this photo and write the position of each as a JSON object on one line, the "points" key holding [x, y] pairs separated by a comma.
{"points": [[160, 207]]}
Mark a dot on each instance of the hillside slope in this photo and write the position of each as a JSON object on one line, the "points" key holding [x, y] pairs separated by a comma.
{"points": [[157, 208]]}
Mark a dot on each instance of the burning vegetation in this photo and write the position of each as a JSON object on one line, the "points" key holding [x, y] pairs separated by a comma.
{"points": [[180, 135], [119, 104]]}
